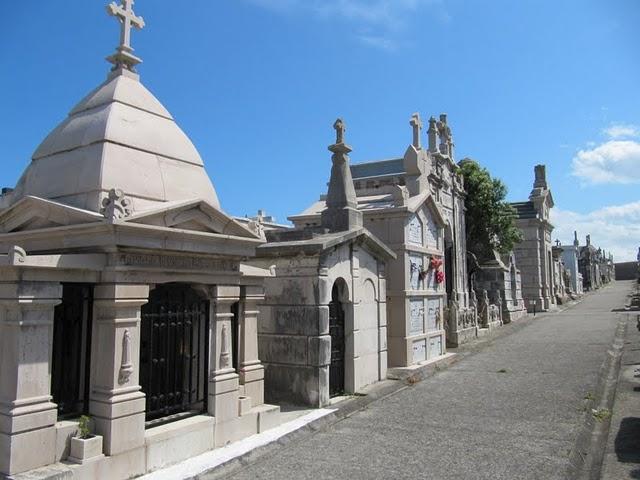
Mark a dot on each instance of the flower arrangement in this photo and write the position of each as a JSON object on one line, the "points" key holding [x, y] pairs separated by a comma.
{"points": [[435, 264]]}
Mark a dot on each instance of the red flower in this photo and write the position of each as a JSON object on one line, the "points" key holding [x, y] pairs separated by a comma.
{"points": [[435, 263], [439, 276]]}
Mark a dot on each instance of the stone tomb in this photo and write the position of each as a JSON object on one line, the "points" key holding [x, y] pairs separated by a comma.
{"points": [[533, 254], [323, 330], [123, 294], [415, 205]]}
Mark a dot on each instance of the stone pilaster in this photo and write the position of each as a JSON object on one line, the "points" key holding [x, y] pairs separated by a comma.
{"points": [[117, 403], [250, 369], [27, 415], [223, 379]]}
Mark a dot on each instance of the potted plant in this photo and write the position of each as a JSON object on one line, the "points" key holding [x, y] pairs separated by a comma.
{"points": [[85, 446]]}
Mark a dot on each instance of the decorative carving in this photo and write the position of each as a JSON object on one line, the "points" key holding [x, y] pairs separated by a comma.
{"points": [[115, 206], [225, 355], [416, 124], [124, 53], [257, 228], [16, 255], [126, 366], [340, 128]]}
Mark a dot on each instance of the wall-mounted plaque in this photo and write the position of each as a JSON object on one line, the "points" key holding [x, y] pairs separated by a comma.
{"points": [[416, 308], [433, 307], [420, 350], [433, 232], [416, 264], [435, 347], [415, 231]]}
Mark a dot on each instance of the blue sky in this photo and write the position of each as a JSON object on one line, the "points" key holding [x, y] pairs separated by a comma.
{"points": [[257, 84]]}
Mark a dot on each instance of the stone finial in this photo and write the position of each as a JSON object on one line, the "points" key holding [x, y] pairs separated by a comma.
{"points": [[446, 139], [540, 177], [575, 239], [400, 195], [342, 211], [115, 206], [432, 134], [340, 129], [124, 57], [588, 239], [416, 124]]}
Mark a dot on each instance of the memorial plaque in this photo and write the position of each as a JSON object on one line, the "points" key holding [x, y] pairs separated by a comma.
{"points": [[433, 232], [416, 264], [420, 350], [415, 231], [433, 306], [435, 347], [416, 326]]}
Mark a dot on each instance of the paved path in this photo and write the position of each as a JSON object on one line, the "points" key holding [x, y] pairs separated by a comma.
{"points": [[473, 420]]}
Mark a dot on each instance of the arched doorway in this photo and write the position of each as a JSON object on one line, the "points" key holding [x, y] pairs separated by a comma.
{"points": [[173, 353], [336, 330]]}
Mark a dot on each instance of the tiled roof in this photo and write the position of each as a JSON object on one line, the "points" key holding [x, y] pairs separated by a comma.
{"points": [[376, 169], [525, 209]]}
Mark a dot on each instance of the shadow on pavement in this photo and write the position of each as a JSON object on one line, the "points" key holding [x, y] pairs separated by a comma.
{"points": [[627, 443]]}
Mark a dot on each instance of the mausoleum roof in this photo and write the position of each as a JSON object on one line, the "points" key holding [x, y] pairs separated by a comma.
{"points": [[378, 168], [119, 136], [525, 210]]}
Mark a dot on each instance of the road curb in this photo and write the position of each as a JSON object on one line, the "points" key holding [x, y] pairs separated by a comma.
{"points": [[585, 460]]}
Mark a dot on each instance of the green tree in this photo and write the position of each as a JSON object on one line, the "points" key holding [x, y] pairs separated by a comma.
{"points": [[490, 220]]}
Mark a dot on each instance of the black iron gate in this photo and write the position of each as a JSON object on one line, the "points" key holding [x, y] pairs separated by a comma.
{"points": [[173, 353], [70, 360], [336, 330]]}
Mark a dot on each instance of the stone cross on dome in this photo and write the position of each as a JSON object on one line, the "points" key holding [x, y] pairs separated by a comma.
{"points": [[124, 57]]}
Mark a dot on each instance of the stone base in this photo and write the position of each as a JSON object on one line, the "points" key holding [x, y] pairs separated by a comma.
{"points": [[455, 339], [509, 316], [421, 370]]}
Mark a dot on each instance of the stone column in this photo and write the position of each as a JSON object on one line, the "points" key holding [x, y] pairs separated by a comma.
{"points": [[250, 369], [223, 379], [116, 401], [27, 415]]}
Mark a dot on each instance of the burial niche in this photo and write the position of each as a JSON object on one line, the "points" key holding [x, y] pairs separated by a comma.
{"points": [[70, 360], [173, 353], [336, 330]]}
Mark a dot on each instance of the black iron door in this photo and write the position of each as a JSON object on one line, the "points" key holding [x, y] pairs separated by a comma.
{"points": [[173, 353], [336, 330], [70, 359]]}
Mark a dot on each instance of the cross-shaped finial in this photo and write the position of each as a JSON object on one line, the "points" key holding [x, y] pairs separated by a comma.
{"points": [[340, 129], [416, 123], [124, 53]]}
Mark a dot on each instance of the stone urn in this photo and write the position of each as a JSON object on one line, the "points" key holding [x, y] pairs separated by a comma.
{"points": [[85, 449]]}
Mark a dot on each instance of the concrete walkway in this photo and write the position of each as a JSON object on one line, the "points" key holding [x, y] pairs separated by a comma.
{"points": [[513, 410]]}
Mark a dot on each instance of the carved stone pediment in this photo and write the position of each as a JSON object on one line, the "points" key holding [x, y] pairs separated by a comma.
{"points": [[31, 213], [195, 215]]}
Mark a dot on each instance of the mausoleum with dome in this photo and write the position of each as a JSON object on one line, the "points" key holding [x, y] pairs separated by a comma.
{"points": [[124, 295]]}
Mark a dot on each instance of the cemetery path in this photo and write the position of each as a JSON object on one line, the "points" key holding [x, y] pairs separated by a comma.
{"points": [[512, 410]]}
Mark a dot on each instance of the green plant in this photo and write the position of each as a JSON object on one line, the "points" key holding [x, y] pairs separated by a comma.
{"points": [[490, 220], [601, 414], [84, 430], [502, 370], [589, 396]]}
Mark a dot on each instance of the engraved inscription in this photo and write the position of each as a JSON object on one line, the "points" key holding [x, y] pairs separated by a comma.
{"points": [[177, 262], [419, 350], [433, 307], [435, 347], [415, 231], [416, 266], [433, 232], [417, 316]]}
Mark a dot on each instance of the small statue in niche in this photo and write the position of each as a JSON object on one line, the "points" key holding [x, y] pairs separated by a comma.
{"points": [[126, 367], [224, 347]]}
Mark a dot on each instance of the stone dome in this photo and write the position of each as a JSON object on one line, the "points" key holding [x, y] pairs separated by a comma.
{"points": [[119, 136]]}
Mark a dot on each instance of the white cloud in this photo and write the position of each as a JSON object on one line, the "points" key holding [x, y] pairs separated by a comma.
{"points": [[615, 161], [378, 23], [615, 229], [618, 131]]}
